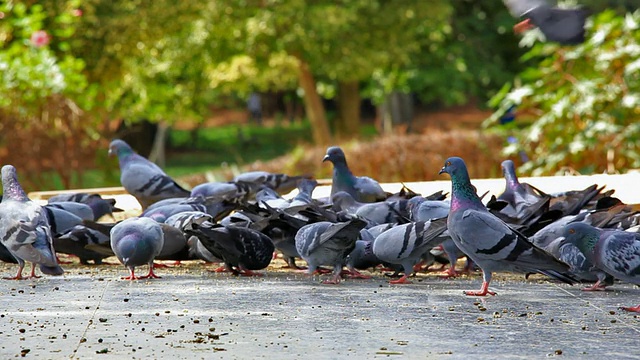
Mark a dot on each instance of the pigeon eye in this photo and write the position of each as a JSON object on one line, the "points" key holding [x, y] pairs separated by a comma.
{"points": [[572, 231], [448, 163]]}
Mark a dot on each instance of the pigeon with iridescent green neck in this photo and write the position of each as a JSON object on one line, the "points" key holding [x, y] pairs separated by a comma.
{"points": [[489, 241], [146, 181], [615, 252], [362, 188]]}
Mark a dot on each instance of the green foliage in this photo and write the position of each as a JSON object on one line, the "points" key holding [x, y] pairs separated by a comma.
{"points": [[583, 101], [33, 71]]}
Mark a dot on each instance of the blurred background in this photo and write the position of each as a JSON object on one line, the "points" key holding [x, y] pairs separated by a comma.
{"points": [[210, 88]]}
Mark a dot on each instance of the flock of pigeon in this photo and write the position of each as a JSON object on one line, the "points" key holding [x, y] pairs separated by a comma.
{"points": [[577, 236]]}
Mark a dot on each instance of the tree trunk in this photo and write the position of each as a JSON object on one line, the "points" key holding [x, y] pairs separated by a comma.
{"points": [[157, 154], [396, 112], [313, 106], [348, 124]]}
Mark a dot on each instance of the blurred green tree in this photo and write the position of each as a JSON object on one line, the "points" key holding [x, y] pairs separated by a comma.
{"points": [[582, 102]]}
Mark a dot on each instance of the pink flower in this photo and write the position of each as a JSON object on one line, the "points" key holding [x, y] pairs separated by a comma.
{"points": [[76, 12], [40, 38]]}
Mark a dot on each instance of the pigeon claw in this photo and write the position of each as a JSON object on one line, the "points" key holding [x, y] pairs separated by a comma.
{"points": [[450, 273], [596, 287], [403, 280], [355, 274], [632, 309], [250, 273], [484, 291]]}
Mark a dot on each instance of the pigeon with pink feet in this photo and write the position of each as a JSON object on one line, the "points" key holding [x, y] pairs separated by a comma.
{"points": [[488, 240], [406, 244], [613, 251], [135, 242], [24, 228], [327, 243]]}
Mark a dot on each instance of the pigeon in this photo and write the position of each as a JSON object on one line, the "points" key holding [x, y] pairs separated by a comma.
{"points": [[24, 229], [79, 240], [282, 183], [405, 244], [489, 241], [361, 188], [225, 190], [85, 243], [143, 179], [613, 251], [60, 220], [382, 212], [83, 211], [362, 257], [6, 256], [194, 247], [137, 241], [327, 243], [305, 192], [421, 209], [243, 250], [98, 205]]}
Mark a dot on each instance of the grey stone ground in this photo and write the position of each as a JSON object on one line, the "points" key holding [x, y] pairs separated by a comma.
{"points": [[190, 313]]}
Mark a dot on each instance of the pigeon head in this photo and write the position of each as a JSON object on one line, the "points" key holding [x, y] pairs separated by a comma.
{"points": [[119, 148], [10, 185], [335, 155], [454, 166], [583, 236], [509, 172]]}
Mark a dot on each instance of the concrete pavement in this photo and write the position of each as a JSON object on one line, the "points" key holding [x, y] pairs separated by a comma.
{"points": [[190, 313]]}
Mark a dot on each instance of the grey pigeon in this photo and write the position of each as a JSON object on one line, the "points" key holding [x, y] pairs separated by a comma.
{"points": [[305, 192], [146, 181], [362, 188], [135, 242], [83, 211], [422, 209], [78, 241], [98, 205], [282, 183], [613, 251], [406, 244], [225, 190], [5, 255], [243, 250], [361, 258], [489, 241], [24, 229], [382, 212], [60, 220], [326, 243], [195, 248]]}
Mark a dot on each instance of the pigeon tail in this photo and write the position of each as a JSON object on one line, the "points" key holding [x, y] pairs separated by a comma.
{"points": [[51, 270]]}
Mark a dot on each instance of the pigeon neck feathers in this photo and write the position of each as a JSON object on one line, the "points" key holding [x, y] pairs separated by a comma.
{"points": [[10, 185], [463, 194]]}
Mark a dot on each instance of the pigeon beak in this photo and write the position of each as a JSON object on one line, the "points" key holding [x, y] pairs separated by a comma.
{"points": [[325, 158], [442, 171], [111, 152]]}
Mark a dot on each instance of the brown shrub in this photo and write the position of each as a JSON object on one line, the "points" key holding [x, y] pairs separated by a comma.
{"points": [[393, 158]]}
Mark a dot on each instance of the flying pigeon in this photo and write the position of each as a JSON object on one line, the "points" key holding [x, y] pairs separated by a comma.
{"points": [[24, 229], [406, 244], [135, 242], [362, 188], [327, 243], [613, 251], [143, 179], [487, 240]]}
